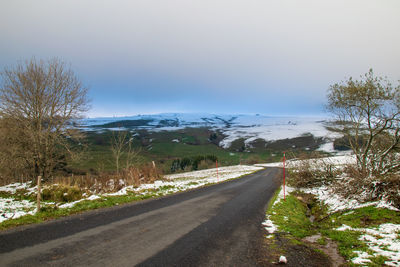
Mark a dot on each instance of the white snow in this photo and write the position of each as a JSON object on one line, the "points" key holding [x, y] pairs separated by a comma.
{"points": [[338, 161], [326, 194], [383, 240], [223, 172], [71, 204], [274, 128], [10, 208], [271, 165], [268, 223], [362, 258], [189, 180], [283, 193], [337, 203], [328, 147], [250, 127], [12, 188], [282, 259]]}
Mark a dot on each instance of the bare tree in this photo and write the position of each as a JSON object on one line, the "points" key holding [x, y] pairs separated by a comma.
{"points": [[118, 143], [368, 115], [42, 99], [122, 146]]}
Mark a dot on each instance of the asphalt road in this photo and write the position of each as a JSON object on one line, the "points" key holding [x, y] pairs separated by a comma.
{"points": [[218, 225]]}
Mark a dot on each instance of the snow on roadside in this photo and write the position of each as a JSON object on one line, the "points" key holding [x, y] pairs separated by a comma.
{"points": [[336, 202], [189, 180], [11, 208], [268, 223], [13, 188], [223, 172], [338, 161], [324, 193], [71, 204], [383, 240]]}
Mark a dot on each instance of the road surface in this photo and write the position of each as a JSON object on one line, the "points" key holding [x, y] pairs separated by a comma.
{"points": [[218, 225]]}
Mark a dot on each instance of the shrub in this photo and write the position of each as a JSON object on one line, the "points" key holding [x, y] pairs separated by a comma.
{"points": [[253, 159], [365, 187], [194, 163], [308, 172], [61, 193]]}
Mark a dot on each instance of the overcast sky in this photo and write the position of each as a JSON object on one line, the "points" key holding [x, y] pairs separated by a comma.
{"points": [[214, 56]]}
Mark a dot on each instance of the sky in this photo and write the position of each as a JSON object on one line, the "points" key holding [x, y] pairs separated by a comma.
{"points": [[272, 57]]}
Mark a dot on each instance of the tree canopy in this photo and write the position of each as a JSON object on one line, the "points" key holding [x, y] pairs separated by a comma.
{"points": [[39, 100], [367, 113]]}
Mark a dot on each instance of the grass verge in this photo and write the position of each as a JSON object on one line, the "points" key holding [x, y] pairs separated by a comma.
{"points": [[301, 215], [50, 211]]}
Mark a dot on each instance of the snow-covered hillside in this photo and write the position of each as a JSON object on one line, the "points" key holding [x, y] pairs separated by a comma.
{"points": [[249, 127]]}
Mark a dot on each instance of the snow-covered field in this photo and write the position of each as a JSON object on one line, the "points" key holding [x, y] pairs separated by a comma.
{"points": [[383, 240], [338, 161], [11, 208], [249, 127]]}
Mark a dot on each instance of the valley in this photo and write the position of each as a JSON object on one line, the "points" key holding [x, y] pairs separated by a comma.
{"points": [[232, 139]]}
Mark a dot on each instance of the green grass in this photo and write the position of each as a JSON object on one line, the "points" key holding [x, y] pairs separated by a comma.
{"points": [[158, 147], [322, 241], [272, 201], [48, 213], [347, 241], [292, 216], [368, 216], [20, 194]]}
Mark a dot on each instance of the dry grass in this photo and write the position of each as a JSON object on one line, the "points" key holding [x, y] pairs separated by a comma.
{"points": [[310, 172], [364, 187], [109, 182]]}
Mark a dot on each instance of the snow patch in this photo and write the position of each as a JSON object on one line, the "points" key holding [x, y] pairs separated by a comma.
{"points": [[336, 202], [269, 225], [12, 209], [383, 240], [249, 127], [338, 161]]}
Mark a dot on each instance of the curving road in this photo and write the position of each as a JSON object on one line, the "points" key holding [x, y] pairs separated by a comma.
{"points": [[218, 225]]}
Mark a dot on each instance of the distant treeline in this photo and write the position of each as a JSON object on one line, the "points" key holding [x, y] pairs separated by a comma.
{"points": [[193, 162]]}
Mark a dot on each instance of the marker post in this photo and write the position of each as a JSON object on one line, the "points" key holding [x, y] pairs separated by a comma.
{"points": [[284, 162], [216, 165]]}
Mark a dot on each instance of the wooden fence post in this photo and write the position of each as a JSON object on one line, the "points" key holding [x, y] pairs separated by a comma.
{"points": [[39, 187]]}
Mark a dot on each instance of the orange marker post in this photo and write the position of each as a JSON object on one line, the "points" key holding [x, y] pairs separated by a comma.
{"points": [[216, 165], [284, 161]]}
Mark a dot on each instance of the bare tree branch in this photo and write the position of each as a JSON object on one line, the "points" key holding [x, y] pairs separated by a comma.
{"points": [[42, 99]]}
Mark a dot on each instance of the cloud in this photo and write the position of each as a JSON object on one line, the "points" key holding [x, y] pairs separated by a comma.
{"points": [[177, 52]]}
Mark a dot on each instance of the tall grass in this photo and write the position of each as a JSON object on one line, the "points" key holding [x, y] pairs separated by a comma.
{"points": [[107, 182]]}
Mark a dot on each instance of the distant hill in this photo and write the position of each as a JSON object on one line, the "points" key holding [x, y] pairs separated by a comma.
{"points": [[234, 127]]}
